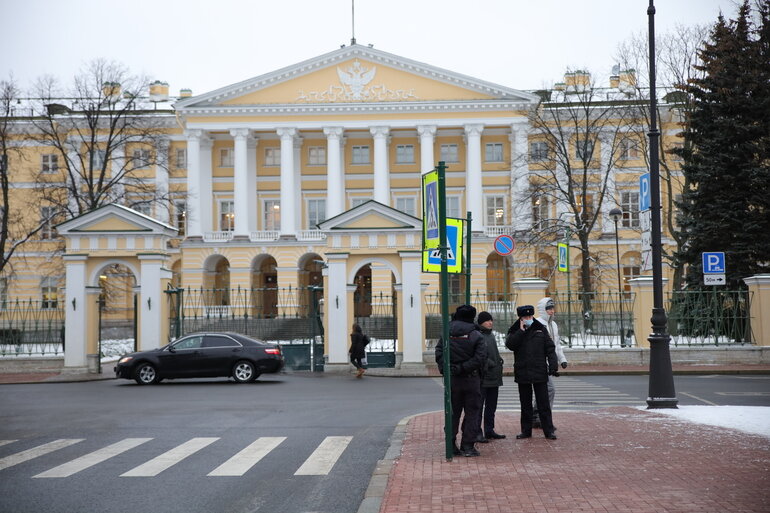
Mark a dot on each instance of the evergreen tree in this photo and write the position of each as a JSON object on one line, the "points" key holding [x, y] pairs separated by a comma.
{"points": [[727, 206]]}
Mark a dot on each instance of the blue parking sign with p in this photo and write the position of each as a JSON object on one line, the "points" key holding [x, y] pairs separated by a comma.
{"points": [[645, 196], [714, 262]]}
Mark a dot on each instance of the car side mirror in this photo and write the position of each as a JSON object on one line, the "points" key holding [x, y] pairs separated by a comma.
{"points": [[171, 349]]}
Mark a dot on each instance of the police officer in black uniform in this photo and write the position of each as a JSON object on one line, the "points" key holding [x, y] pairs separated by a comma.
{"points": [[468, 355]]}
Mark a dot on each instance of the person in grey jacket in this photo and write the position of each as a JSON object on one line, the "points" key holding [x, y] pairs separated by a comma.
{"points": [[492, 378], [546, 309]]}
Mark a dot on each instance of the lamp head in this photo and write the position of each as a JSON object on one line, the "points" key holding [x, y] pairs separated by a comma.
{"points": [[616, 214]]}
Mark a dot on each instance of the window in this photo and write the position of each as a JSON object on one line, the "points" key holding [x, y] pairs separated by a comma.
{"points": [[540, 212], [272, 215], [141, 159], [629, 149], [180, 217], [358, 200], [99, 158], [629, 204], [453, 206], [226, 215], [631, 270], [189, 343], [582, 146], [405, 154], [406, 205], [494, 152], [47, 232], [226, 157], [181, 158], [49, 293], [143, 207], [448, 153], [316, 212], [49, 163], [361, 155], [538, 151], [272, 156], [218, 341], [495, 210], [316, 156]]}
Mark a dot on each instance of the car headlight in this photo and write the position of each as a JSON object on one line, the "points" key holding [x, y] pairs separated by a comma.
{"points": [[126, 359]]}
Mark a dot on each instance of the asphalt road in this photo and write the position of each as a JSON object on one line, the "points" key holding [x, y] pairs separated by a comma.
{"points": [[324, 435]]}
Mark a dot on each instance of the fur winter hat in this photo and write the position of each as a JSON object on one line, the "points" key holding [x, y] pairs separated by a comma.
{"points": [[525, 310], [465, 313]]}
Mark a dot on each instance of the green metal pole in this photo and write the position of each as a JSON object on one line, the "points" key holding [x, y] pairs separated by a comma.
{"points": [[469, 225], [569, 291], [448, 434]]}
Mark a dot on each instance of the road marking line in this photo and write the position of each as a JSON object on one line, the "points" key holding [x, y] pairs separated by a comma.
{"points": [[324, 457], [21, 457], [699, 399], [89, 460], [5, 442], [248, 457], [170, 458]]}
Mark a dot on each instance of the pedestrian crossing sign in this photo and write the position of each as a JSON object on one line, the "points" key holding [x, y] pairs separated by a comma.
{"points": [[430, 211], [431, 258], [563, 257]]}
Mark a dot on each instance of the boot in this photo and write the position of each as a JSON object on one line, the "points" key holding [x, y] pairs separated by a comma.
{"points": [[360, 373]]}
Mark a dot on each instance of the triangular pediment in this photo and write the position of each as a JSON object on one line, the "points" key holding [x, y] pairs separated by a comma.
{"points": [[371, 216], [356, 74], [114, 219]]}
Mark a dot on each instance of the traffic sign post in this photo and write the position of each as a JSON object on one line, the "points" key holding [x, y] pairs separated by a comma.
{"points": [[504, 245], [714, 268], [432, 258]]}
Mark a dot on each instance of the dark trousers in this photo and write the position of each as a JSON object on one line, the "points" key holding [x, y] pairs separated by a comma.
{"points": [[466, 398], [356, 362], [543, 407], [489, 404]]}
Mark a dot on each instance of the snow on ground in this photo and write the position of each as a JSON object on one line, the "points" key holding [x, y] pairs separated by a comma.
{"points": [[749, 419]]}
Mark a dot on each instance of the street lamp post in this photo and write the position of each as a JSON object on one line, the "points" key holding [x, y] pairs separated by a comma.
{"points": [[616, 214], [661, 386]]}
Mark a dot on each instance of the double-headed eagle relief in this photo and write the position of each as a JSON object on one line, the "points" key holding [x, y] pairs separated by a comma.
{"points": [[355, 87]]}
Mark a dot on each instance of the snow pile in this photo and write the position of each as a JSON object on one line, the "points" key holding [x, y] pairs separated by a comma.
{"points": [[749, 419]]}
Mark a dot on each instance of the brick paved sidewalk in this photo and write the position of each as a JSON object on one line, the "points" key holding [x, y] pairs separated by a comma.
{"points": [[611, 460]]}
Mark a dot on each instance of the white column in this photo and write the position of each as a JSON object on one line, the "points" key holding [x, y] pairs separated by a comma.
{"points": [[150, 301], [193, 183], [75, 311], [334, 191], [161, 182], [343, 183], [205, 187], [241, 191], [521, 205], [336, 308], [473, 175], [288, 223], [381, 172], [251, 182], [411, 306], [427, 160], [298, 183]]}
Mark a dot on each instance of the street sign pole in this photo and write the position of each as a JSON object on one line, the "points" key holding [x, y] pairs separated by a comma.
{"points": [[448, 434], [469, 219]]}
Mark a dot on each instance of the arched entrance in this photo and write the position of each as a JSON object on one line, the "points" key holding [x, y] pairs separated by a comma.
{"points": [[375, 309], [498, 278], [216, 285], [264, 287], [117, 309], [310, 283]]}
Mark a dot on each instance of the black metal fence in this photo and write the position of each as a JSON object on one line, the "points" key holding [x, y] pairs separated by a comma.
{"points": [[710, 317], [595, 319], [31, 328]]}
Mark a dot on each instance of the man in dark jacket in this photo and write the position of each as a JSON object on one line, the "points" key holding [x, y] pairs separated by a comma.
{"points": [[534, 355], [467, 356], [492, 378]]}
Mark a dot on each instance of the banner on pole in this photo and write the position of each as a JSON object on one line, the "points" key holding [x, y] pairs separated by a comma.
{"points": [[431, 257], [430, 204]]}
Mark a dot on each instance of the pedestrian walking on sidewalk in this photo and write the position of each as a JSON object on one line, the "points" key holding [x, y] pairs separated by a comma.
{"points": [[467, 356], [534, 357], [546, 309], [358, 343], [491, 380]]}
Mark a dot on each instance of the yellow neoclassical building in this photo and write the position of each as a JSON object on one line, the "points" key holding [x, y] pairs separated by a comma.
{"points": [[297, 194]]}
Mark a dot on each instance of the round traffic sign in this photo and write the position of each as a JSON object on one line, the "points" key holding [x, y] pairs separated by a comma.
{"points": [[504, 245]]}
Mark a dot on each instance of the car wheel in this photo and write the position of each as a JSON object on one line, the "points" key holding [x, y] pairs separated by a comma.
{"points": [[146, 374], [244, 372]]}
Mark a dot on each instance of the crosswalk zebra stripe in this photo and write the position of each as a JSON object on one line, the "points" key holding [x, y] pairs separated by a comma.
{"points": [[40, 450], [160, 463], [248, 457], [91, 459], [324, 457], [5, 442]]}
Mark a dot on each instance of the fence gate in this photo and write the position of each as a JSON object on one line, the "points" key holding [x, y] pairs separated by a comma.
{"points": [[288, 316], [376, 314]]}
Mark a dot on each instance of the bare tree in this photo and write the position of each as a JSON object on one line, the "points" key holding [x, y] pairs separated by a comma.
{"points": [[676, 61], [16, 228], [581, 129], [104, 137]]}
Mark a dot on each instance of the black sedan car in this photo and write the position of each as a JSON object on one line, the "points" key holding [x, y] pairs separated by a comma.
{"points": [[203, 355]]}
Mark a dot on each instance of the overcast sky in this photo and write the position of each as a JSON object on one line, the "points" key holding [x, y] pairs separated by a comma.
{"points": [[204, 45]]}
